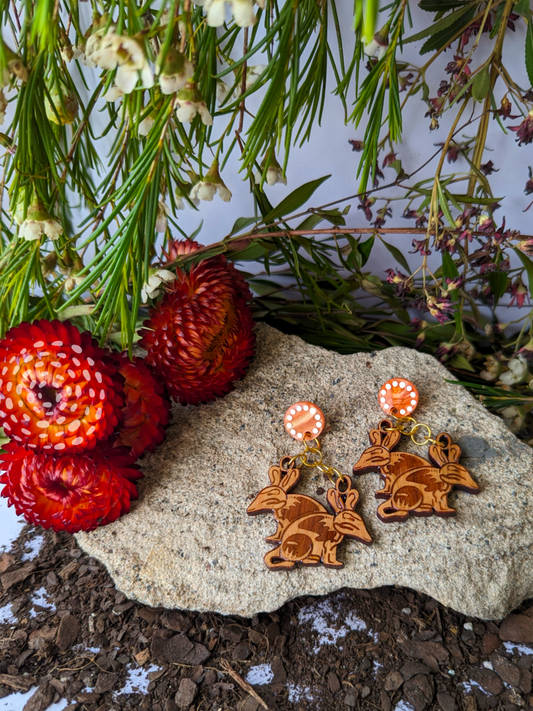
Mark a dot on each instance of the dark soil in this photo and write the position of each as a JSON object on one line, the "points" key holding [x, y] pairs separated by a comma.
{"points": [[79, 639]]}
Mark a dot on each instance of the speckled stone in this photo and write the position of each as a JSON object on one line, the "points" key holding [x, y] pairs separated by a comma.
{"points": [[189, 543]]}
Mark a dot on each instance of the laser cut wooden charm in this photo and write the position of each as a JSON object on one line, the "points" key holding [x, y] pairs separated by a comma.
{"points": [[307, 533], [412, 484]]}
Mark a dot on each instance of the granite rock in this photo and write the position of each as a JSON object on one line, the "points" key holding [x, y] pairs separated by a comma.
{"points": [[188, 543]]}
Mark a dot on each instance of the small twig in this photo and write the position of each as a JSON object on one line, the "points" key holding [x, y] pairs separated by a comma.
{"points": [[243, 684]]}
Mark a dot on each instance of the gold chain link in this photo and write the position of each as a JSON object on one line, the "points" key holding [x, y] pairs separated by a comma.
{"points": [[402, 426], [330, 472]]}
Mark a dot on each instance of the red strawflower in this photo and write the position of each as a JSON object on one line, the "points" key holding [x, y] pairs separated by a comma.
{"points": [[58, 389], [147, 408], [74, 492], [178, 248], [200, 337]]}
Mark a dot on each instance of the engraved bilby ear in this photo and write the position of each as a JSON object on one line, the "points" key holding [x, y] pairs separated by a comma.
{"points": [[274, 474], [290, 479], [375, 436], [391, 439], [440, 453], [455, 453], [352, 497], [335, 500]]}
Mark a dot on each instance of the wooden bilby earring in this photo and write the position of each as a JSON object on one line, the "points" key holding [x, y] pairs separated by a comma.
{"points": [[412, 485], [307, 533]]}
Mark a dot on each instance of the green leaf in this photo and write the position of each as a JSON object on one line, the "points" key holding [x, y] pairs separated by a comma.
{"points": [[441, 25], [498, 285], [444, 205], [460, 362], [370, 14], [441, 39], [242, 223], [481, 84], [529, 51], [73, 311], [295, 200], [528, 264], [333, 216], [441, 5], [254, 251], [449, 268], [398, 256], [522, 8], [475, 200], [365, 248]]}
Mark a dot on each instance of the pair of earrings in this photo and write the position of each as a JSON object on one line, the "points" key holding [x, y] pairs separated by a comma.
{"points": [[307, 533]]}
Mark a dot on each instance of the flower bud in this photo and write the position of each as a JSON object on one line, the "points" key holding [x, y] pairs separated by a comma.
{"points": [[64, 106], [174, 71], [48, 264]]}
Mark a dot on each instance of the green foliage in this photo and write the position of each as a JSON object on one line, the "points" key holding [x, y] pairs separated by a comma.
{"points": [[273, 79]]}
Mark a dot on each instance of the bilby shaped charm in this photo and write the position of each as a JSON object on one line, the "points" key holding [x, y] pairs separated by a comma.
{"points": [[307, 533], [412, 484]]}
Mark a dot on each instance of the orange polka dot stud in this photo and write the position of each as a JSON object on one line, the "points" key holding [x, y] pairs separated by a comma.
{"points": [[307, 533], [412, 484], [398, 397], [304, 421]]}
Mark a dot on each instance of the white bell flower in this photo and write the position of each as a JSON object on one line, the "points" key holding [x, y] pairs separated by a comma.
{"points": [[127, 56], [183, 190], [212, 184], [378, 44], [32, 229], [145, 126], [516, 373], [243, 12], [274, 172], [252, 75], [37, 222], [191, 103], [174, 72], [112, 94], [222, 91], [156, 278]]}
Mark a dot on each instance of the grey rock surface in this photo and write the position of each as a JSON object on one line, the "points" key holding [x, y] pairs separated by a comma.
{"points": [[188, 543]]}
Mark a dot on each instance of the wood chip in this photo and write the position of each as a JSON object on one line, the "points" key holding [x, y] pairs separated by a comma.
{"points": [[17, 682], [142, 657]]}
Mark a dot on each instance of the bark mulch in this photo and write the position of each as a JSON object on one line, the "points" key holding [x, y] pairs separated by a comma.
{"points": [[72, 635]]}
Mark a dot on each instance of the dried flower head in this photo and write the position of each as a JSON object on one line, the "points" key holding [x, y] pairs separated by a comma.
{"points": [[146, 410], [72, 493], [59, 390], [200, 338]]}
